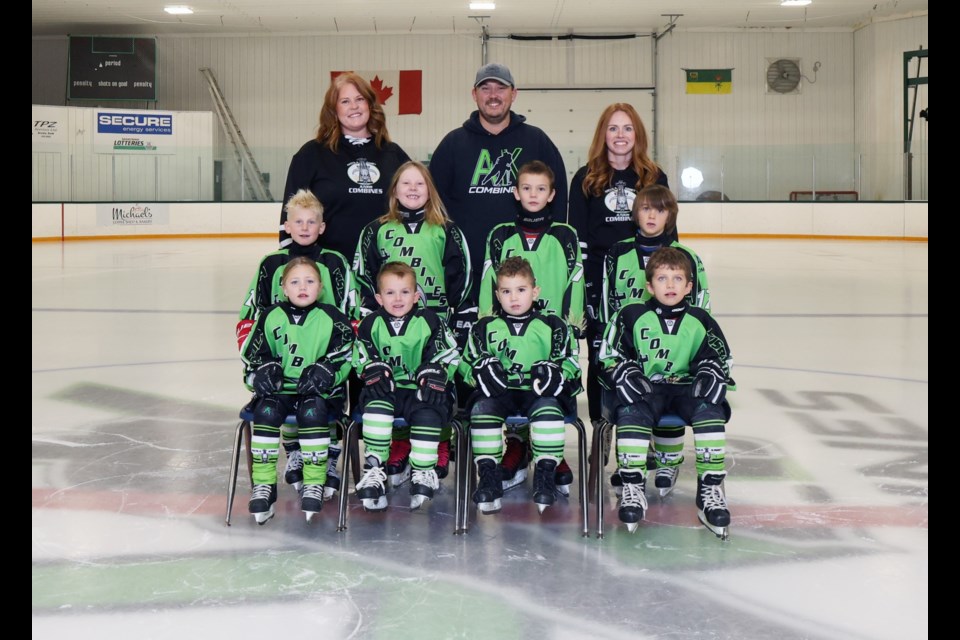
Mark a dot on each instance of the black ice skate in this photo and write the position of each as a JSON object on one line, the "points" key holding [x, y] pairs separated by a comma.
{"points": [[666, 479], [372, 486], [516, 458], [489, 488], [332, 485], [633, 502], [544, 483], [422, 485], [712, 503], [311, 501], [563, 478], [261, 502], [293, 474], [398, 464]]}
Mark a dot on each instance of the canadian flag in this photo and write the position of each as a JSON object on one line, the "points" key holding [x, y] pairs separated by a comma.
{"points": [[399, 92]]}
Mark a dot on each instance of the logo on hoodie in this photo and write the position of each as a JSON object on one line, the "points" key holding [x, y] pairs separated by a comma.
{"points": [[495, 175], [365, 174], [619, 200]]}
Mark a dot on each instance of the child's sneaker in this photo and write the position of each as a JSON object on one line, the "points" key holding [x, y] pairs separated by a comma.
{"points": [[398, 464], [516, 457], [261, 502]]}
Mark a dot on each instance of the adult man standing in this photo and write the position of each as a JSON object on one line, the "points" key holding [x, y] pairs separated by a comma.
{"points": [[475, 166], [475, 170]]}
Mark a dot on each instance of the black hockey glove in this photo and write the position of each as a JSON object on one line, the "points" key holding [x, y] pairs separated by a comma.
{"points": [[710, 382], [461, 322], [491, 377], [316, 379], [630, 383], [547, 378], [377, 380], [267, 379], [431, 384]]}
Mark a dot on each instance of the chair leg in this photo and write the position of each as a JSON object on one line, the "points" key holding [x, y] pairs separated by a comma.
{"points": [[465, 460], [458, 475], [350, 453], [242, 436], [600, 432], [583, 473]]}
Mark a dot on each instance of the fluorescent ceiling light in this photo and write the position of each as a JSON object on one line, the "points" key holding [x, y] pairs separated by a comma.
{"points": [[178, 10], [483, 6], [794, 3]]}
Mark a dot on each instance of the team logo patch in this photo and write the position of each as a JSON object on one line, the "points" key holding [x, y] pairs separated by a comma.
{"points": [[364, 173], [620, 198]]}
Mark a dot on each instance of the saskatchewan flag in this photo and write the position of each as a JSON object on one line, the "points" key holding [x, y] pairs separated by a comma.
{"points": [[709, 80]]}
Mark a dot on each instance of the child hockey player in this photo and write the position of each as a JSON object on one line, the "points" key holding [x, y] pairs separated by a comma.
{"points": [[661, 356], [417, 231], [299, 356], [655, 215], [521, 360], [405, 358], [304, 224], [553, 251]]}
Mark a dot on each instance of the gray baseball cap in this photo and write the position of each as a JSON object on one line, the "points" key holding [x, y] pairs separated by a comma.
{"points": [[494, 71]]}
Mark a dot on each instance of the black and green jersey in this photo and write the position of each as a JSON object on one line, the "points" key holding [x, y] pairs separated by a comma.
{"points": [[554, 255], [438, 255], [338, 284], [297, 337], [519, 342], [405, 343], [667, 343], [624, 278]]}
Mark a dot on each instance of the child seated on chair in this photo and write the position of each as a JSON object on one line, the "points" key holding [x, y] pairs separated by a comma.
{"points": [[305, 225], [521, 361], [667, 356], [405, 356], [298, 353], [553, 251], [654, 213]]}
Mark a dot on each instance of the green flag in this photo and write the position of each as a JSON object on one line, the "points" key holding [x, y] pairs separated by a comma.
{"points": [[709, 80]]}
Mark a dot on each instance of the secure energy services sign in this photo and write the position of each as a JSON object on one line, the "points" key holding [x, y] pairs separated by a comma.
{"points": [[134, 131], [102, 68]]}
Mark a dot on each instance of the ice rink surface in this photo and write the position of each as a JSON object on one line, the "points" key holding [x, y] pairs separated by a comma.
{"points": [[136, 389]]}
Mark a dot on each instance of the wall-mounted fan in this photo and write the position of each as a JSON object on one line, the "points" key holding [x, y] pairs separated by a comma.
{"points": [[783, 76]]}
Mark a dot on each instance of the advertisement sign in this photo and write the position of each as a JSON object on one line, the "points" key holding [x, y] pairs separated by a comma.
{"points": [[126, 214], [134, 131]]}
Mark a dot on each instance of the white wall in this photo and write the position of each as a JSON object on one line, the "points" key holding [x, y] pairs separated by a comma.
{"points": [[828, 219], [275, 84]]}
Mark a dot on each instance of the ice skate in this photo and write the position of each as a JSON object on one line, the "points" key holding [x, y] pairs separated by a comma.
{"points": [[712, 503], [443, 459], [544, 483], [398, 464], [513, 467], [616, 482], [332, 485], [633, 502], [489, 488], [293, 474], [261, 502], [422, 485], [311, 501], [563, 478], [666, 479], [372, 486]]}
